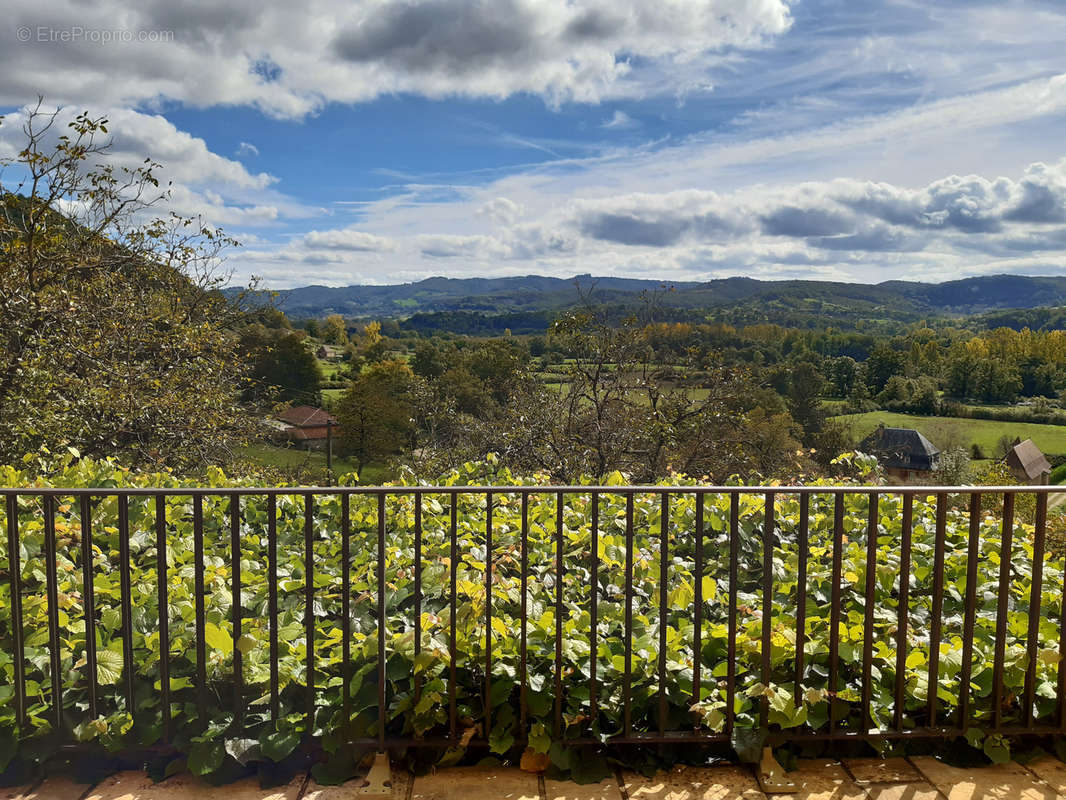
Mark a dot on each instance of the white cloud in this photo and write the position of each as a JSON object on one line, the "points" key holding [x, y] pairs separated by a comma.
{"points": [[840, 229], [501, 211], [346, 239], [289, 59], [246, 149], [620, 121], [198, 182]]}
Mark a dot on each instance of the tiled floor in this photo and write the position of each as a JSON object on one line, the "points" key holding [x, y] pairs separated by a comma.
{"points": [[918, 778]]}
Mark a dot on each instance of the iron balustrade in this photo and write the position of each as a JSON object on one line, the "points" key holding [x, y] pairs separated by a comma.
{"points": [[772, 539]]}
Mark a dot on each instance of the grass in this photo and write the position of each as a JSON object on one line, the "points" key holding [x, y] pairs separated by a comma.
{"points": [[950, 431], [331, 368], [313, 462], [1058, 475]]}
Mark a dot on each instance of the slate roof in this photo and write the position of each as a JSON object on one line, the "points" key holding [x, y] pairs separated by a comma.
{"points": [[1025, 459], [306, 417], [901, 448]]}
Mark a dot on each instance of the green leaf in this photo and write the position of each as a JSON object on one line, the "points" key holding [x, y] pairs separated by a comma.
{"points": [[8, 745], [206, 757], [748, 744], [277, 746], [997, 748], [710, 589], [217, 638], [109, 665], [539, 738], [501, 740], [560, 755]]}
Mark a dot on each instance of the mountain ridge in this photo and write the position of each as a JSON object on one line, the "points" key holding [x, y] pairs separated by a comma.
{"points": [[540, 293]]}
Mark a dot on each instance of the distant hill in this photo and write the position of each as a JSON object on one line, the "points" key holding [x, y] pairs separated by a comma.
{"points": [[533, 293]]}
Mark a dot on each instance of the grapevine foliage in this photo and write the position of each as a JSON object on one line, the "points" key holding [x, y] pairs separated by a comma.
{"points": [[212, 745]]}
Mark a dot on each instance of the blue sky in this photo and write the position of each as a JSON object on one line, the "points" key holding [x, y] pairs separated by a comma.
{"points": [[390, 140]]}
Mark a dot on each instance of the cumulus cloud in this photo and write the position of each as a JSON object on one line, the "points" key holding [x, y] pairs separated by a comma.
{"points": [[246, 149], [501, 211], [660, 220], [346, 239], [836, 229], [198, 182], [455, 246], [837, 215], [290, 59]]}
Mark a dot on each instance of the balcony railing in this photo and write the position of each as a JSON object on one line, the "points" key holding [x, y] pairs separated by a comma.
{"points": [[500, 615]]}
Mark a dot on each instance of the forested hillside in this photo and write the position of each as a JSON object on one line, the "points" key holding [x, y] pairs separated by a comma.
{"points": [[893, 299]]}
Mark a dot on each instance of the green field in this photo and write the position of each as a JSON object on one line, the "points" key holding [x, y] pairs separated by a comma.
{"points": [[312, 461], [954, 431], [331, 368]]}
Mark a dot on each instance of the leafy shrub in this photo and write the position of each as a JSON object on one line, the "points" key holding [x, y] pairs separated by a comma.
{"points": [[217, 742]]}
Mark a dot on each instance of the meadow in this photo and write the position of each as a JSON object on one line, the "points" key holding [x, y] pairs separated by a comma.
{"points": [[945, 432]]}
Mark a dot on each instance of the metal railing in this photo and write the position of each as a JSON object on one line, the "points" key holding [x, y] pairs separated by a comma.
{"points": [[400, 612]]}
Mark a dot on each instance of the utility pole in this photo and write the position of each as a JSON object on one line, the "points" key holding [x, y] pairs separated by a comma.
{"points": [[329, 451]]}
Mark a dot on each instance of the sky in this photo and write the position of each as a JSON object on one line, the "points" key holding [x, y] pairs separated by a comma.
{"points": [[385, 141]]}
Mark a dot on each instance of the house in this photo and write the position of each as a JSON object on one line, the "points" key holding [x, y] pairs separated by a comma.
{"points": [[307, 426], [903, 452], [1027, 463], [328, 352]]}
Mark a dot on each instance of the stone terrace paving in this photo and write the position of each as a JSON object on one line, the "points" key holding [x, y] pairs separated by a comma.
{"points": [[916, 778]]}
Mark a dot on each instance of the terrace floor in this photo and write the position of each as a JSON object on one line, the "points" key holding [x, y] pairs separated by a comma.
{"points": [[917, 778]]}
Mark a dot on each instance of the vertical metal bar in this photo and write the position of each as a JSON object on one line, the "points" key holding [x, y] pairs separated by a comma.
{"points": [[346, 605], [523, 677], [272, 601], [594, 592], [557, 723], [801, 595], [235, 607], [664, 565], [834, 611], [970, 610], [872, 520], [731, 645], [418, 591], [1005, 553], [382, 672], [767, 600], [162, 590], [453, 721], [15, 579], [88, 598], [903, 609], [488, 613], [309, 610], [198, 578], [697, 616], [1061, 689], [52, 589], [1032, 640], [937, 609], [126, 598], [627, 678]]}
